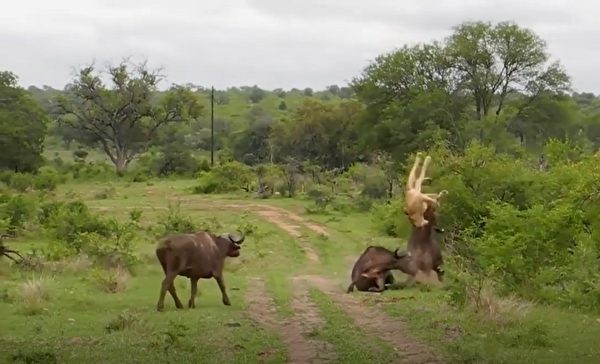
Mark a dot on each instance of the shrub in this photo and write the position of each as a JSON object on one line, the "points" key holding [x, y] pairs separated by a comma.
{"points": [[226, 177], [175, 222], [122, 321], [321, 197], [66, 221], [47, 179], [390, 219], [267, 176], [530, 231], [113, 280], [176, 160], [16, 211], [21, 181]]}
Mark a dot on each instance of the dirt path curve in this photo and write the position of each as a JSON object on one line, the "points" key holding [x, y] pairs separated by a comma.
{"points": [[281, 218], [376, 323], [282, 214], [295, 331]]}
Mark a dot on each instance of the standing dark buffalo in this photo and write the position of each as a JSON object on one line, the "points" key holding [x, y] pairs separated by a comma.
{"points": [[424, 247], [198, 255], [372, 270]]}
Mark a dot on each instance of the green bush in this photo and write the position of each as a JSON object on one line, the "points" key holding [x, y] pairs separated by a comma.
{"points": [[226, 177], [321, 197], [389, 219], [529, 230], [79, 231], [47, 179], [16, 211], [174, 221], [21, 181], [65, 221]]}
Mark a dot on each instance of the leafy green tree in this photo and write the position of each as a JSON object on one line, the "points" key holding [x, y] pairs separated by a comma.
{"points": [[252, 145], [23, 127], [321, 133], [493, 61], [256, 94], [334, 89], [124, 117]]}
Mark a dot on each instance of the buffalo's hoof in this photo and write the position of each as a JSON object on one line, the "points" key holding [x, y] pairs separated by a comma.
{"points": [[226, 302], [160, 308]]}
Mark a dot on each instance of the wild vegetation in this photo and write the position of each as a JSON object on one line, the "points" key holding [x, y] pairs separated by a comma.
{"points": [[94, 174]]}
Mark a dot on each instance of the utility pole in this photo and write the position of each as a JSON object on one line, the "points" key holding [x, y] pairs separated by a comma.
{"points": [[212, 126]]}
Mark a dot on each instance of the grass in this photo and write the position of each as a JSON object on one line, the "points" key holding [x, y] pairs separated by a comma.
{"points": [[75, 311], [351, 344]]}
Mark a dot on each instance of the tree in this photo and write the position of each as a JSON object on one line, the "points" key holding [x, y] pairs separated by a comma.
{"points": [[334, 89], [124, 117], [429, 93], [493, 61], [321, 133], [256, 94], [251, 145], [23, 127]]}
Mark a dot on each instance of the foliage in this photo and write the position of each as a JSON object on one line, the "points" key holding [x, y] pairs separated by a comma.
{"points": [[66, 221], [532, 231], [226, 177], [122, 321], [16, 212], [452, 90], [321, 197], [122, 119], [23, 127], [113, 280], [267, 176], [175, 222]]}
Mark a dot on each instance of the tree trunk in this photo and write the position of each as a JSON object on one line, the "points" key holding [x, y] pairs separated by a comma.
{"points": [[121, 165]]}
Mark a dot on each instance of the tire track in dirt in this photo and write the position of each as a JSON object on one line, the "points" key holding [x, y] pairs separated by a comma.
{"points": [[376, 323], [295, 331]]}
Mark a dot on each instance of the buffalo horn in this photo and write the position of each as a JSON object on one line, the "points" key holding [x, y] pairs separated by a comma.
{"points": [[237, 240]]}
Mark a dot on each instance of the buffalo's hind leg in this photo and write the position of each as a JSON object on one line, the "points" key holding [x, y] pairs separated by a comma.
{"points": [[173, 293], [193, 293], [168, 285]]}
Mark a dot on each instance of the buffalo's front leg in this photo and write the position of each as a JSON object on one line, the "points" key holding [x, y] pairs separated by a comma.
{"points": [[221, 283]]}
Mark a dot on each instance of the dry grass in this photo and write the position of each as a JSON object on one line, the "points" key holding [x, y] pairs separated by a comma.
{"points": [[33, 295], [113, 280], [500, 310], [79, 264]]}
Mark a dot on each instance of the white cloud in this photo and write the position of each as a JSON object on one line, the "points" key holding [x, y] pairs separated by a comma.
{"points": [[291, 43]]}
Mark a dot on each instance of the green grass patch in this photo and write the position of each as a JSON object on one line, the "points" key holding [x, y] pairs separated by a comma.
{"points": [[351, 344]]}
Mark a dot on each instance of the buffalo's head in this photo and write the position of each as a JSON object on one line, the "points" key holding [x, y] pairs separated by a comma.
{"points": [[233, 241]]}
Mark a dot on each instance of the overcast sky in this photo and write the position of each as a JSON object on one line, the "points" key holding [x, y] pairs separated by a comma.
{"points": [[271, 43]]}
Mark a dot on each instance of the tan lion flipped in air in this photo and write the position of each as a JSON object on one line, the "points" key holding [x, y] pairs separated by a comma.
{"points": [[416, 202]]}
